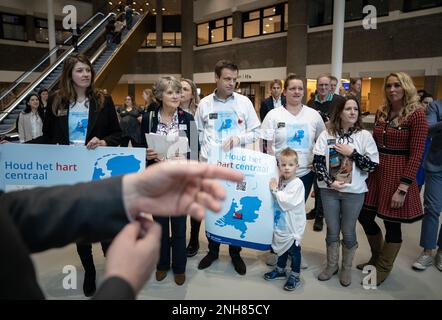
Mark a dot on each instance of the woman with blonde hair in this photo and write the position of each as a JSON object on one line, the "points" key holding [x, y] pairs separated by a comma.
{"points": [[399, 132], [189, 97], [149, 98]]}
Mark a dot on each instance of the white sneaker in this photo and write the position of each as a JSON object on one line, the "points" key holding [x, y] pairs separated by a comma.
{"points": [[423, 262], [272, 259], [439, 260]]}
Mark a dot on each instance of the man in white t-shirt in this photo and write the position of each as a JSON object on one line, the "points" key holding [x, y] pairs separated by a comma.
{"points": [[225, 119]]}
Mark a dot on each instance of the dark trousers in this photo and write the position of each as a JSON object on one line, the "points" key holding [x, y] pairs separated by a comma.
{"points": [[175, 241], [318, 202], [85, 252], [214, 249], [307, 181], [393, 232], [194, 231], [295, 253], [125, 142]]}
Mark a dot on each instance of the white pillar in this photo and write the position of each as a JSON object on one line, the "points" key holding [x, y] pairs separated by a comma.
{"points": [[51, 28], [338, 40]]}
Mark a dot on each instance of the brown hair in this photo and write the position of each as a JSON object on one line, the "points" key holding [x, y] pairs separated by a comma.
{"points": [[224, 64], [290, 77], [338, 105], [66, 93], [276, 81]]}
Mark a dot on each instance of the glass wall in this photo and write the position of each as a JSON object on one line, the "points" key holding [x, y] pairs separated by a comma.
{"points": [[265, 21], [13, 27], [215, 31]]}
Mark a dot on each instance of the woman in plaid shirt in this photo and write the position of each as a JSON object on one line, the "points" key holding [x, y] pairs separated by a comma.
{"points": [[399, 132]]}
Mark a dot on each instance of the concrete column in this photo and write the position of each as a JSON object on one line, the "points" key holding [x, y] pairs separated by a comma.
{"points": [[237, 25], [187, 39], [297, 37], [159, 23], [51, 28], [431, 85], [338, 40]]}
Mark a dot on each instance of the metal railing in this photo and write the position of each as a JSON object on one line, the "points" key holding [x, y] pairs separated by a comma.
{"points": [[54, 50], [48, 71]]}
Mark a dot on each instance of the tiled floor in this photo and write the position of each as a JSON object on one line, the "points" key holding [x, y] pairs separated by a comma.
{"points": [[220, 281]]}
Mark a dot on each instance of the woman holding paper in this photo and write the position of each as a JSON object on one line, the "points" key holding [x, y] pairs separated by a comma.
{"points": [[344, 146], [168, 119], [78, 114]]}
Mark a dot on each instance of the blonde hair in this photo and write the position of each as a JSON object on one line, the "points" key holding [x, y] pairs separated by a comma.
{"points": [[196, 99], [410, 101], [149, 94], [288, 153]]}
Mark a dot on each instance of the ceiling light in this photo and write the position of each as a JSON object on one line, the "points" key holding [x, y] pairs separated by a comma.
{"points": [[164, 9], [110, 2], [267, 25], [271, 19]]}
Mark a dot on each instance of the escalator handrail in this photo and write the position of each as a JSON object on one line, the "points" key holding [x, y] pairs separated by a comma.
{"points": [[84, 25], [61, 59], [98, 72], [43, 60]]}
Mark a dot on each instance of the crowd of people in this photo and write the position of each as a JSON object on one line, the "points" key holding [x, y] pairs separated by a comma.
{"points": [[322, 144]]}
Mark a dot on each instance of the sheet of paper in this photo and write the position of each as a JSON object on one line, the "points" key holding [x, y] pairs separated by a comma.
{"points": [[167, 146]]}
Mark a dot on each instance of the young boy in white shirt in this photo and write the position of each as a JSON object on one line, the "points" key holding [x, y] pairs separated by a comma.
{"points": [[290, 219]]}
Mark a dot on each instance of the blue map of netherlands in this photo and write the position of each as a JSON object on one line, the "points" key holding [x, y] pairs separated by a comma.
{"points": [[238, 219]]}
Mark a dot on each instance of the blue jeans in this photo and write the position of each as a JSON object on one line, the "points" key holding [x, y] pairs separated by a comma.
{"points": [[307, 181], [341, 211], [295, 253], [178, 244], [432, 209]]}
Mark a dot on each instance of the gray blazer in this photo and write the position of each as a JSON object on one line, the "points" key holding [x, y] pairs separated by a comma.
{"points": [[433, 162]]}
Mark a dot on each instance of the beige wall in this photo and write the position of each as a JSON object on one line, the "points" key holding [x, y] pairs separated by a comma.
{"points": [[119, 94]]}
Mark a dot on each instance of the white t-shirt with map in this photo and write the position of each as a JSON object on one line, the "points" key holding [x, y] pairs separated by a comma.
{"points": [[290, 217], [78, 122], [217, 120], [364, 144], [296, 132]]}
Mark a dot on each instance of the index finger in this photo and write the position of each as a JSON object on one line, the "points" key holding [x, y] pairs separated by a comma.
{"points": [[201, 170]]}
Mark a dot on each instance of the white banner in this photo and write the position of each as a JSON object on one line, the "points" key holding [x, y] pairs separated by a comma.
{"points": [[247, 216], [25, 166]]}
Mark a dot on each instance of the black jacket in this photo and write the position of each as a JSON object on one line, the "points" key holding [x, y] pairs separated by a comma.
{"points": [[43, 218], [102, 124], [267, 105], [184, 118]]}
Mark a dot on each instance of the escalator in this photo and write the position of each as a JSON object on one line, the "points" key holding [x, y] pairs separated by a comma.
{"points": [[111, 63], [50, 76]]}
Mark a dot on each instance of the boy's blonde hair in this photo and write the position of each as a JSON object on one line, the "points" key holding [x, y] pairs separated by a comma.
{"points": [[288, 153]]}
